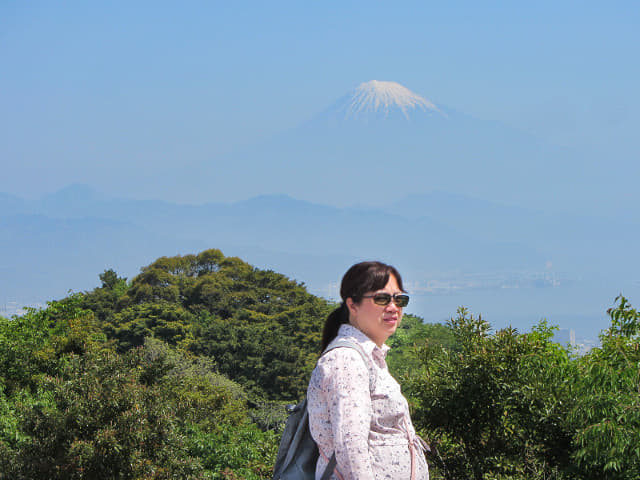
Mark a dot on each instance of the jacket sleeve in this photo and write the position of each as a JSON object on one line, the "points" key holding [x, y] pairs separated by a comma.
{"points": [[346, 386]]}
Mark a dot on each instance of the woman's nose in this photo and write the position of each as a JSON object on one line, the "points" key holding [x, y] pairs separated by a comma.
{"points": [[392, 306]]}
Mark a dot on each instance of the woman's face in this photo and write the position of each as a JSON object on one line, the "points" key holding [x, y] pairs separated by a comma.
{"points": [[377, 322]]}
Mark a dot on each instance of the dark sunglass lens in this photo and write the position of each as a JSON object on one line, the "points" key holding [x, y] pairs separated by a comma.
{"points": [[402, 300], [382, 299]]}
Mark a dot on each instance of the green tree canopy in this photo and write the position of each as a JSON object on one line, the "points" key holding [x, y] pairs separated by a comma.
{"points": [[261, 328], [496, 403], [606, 412]]}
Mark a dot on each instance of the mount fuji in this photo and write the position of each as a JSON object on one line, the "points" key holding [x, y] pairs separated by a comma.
{"points": [[382, 100], [382, 141]]}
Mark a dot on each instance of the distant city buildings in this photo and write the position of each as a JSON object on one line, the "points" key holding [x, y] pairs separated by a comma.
{"points": [[497, 280], [579, 345], [9, 309]]}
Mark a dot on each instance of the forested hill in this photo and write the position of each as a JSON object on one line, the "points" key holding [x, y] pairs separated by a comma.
{"points": [[259, 327], [183, 371]]}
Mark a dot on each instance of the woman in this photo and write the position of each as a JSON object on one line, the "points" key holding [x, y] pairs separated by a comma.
{"points": [[356, 408]]}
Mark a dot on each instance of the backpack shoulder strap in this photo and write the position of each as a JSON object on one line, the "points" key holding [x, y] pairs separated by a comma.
{"points": [[344, 343]]}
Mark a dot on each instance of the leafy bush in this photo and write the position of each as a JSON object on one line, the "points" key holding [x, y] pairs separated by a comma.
{"points": [[96, 420], [497, 404], [412, 334], [606, 412], [235, 451]]}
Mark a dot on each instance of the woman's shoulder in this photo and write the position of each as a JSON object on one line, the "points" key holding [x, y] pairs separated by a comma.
{"points": [[340, 366], [346, 352]]}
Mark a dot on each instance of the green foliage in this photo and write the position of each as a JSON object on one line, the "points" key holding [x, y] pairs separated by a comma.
{"points": [[262, 329], [96, 420], [32, 344], [104, 300], [198, 393], [606, 413], [269, 416], [182, 373], [497, 403], [271, 355], [240, 451], [212, 412], [72, 408], [167, 321], [412, 335], [33, 347], [111, 281]]}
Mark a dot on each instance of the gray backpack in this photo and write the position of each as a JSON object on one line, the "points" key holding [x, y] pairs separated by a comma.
{"points": [[298, 452]]}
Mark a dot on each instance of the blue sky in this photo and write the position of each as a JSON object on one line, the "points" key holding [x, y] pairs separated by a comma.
{"points": [[93, 91]]}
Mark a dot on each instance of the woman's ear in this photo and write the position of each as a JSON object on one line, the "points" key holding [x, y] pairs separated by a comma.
{"points": [[351, 306]]}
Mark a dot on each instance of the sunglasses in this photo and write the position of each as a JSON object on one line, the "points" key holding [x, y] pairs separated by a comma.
{"points": [[400, 299]]}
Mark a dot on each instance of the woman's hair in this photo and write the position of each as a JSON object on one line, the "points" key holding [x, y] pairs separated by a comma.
{"points": [[361, 278]]}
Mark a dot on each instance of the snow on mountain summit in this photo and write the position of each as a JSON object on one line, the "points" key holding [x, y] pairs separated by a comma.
{"points": [[382, 97]]}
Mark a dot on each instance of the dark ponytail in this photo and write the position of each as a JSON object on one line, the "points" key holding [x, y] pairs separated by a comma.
{"points": [[332, 324], [361, 278]]}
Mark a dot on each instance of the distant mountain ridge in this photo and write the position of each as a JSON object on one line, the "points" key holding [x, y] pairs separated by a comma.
{"points": [[280, 221], [446, 245]]}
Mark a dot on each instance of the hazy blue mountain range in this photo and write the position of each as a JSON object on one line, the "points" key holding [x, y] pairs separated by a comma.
{"points": [[473, 212], [368, 147], [510, 264]]}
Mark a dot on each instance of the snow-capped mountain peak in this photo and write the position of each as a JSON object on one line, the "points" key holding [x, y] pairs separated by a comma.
{"points": [[383, 97]]}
